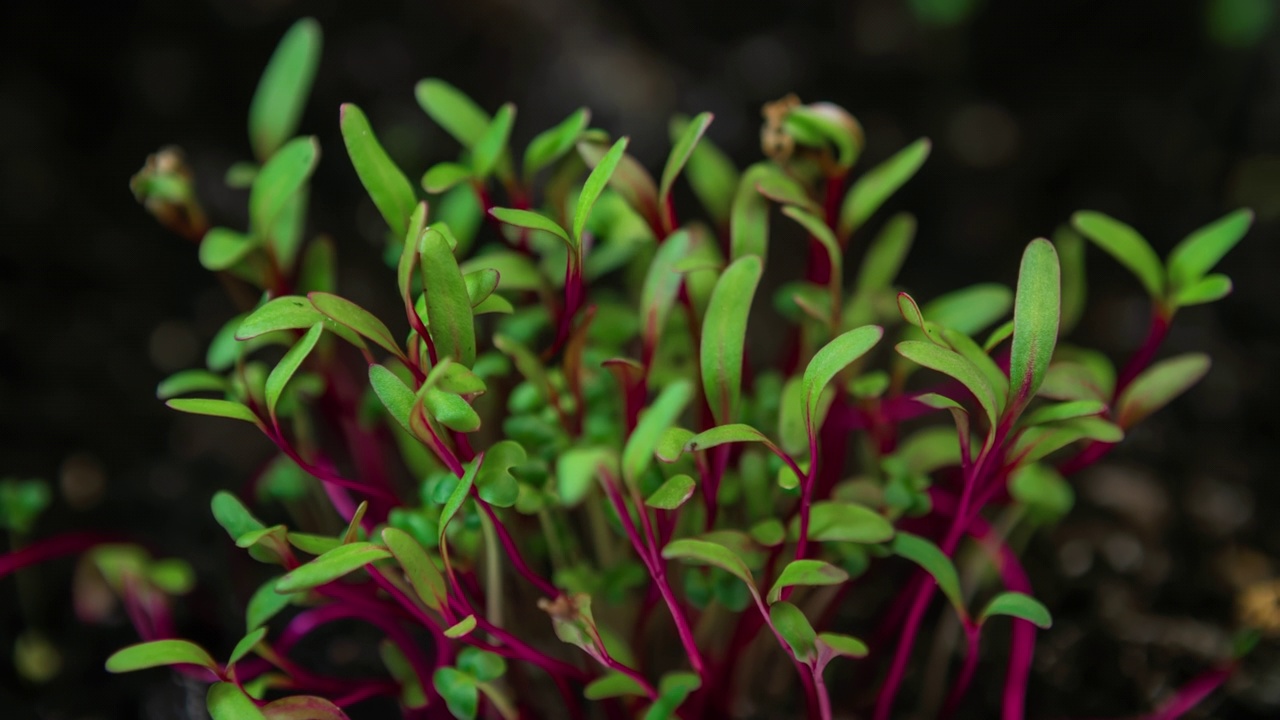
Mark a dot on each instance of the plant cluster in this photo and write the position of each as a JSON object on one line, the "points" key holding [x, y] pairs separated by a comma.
{"points": [[579, 430]]}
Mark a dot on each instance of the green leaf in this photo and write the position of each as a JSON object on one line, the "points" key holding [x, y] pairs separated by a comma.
{"points": [[724, 329], [768, 532], [450, 410], [1157, 386], [723, 434], [330, 566], [879, 268], [532, 221], [613, 684], [551, 145], [673, 493], [303, 707], [1035, 321], [216, 408], [595, 185], [282, 92], [845, 645], [158, 653], [460, 493], [834, 357], [494, 481], [1037, 442], [631, 184], [662, 287], [956, 366], [637, 454], [880, 183], [480, 664], [832, 521], [382, 179], [970, 309], [1070, 247], [289, 312], [1207, 289], [1019, 605], [703, 552], [288, 365], [452, 327], [515, 270], [279, 180], [1191, 259], [246, 645], [680, 154], [350, 315], [710, 172], [462, 628], [576, 471], [823, 122], [190, 381], [459, 692], [1125, 245], [935, 562], [490, 146], [807, 573], [222, 248], [749, 215], [1065, 411], [794, 627], [452, 110], [225, 701], [315, 544], [671, 445], [418, 567], [233, 516], [264, 604], [396, 397], [444, 176], [1045, 494]]}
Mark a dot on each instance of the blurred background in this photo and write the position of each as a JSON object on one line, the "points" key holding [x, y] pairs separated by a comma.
{"points": [[1163, 113]]}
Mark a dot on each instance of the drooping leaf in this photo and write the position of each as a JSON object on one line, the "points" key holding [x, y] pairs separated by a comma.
{"points": [[246, 645], [877, 185], [490, 146], [956, 366], [303, 707], [1159, 385], [452, 110], [216, 408], [680, 154], [462, 628], [1125, 245], [1019, 605], [1035, 321], [794, 627], [330, 566], [929, 557], [612, 684], [452, 327], [724, 329], [550, 145], [386, 184], [637, 454], [288, 365], [808, 573], [834, 357], [1191, 259], [704, 552], [282, 91], [532, 221], [158, 653], [361, 321], [845, 645], [226, 701], [673, 493]]}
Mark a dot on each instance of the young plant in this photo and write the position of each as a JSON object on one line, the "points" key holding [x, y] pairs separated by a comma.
{"points": [[572, 430]]}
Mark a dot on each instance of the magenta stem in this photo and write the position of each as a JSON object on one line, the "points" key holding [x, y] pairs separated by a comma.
{"points": [[50, 548]]}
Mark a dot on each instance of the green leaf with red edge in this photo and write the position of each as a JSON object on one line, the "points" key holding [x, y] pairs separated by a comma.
{"points": [[673, 493], [681, 151], [288, 366], [290, 312], [828, 362], [303, 707], [336, 563], [956, 366], [1018, 605], [662, 287], [493, 143], [452, 110], [1037, 305], [385, 182], [724, 330], [246, 645], [1125, 245], [789, 622], [808, 573], [877, 185], [226, 701], [1159, 385], [279, 180], [637, 454], [282, 91], [409, 252], [1191, 259], [159, 653], [929, 557], [357, 319], [550, 145], [215, 408], [453, 328], [595, 184]]}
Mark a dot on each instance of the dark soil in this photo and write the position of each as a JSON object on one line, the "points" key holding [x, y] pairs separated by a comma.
{"points": [[1036, 110]]}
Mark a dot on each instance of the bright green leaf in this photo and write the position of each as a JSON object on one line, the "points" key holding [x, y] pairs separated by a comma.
{"points": [[595, 185], [226, 701], [459, 692], [808, 573], [832, 521], [460, 493], [1157, 386], [551, 145], [1019, 605], [216, 408], [724, 330], [1035, 321], [956, 366], [637, 454], [382, 179], [1125, 245], [613, 684], [443, 176], [330, 566], [222, 248], [190, 381], [673, 493], [158, 653], [532, 221], [453, 327], [789, 622], [462, 628], [282, 91], [681, 152], [834, 357], [493, 143], [927, 555], [845, 645], [1196, 255], [246, 645], [279, 180], [1207, 289], [452, 110], [880, 183], [704, 552], [662, 287], [264, 604], [418, 567], [288, 365], [350, 315], [711, 174]]}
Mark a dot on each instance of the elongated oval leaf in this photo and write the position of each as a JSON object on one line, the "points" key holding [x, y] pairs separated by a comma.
{"points": [[491, 145], [289, 312], [189, 381], [808, 573], [264, 604], [158, 653], [1158, 385], [460, 493], [935, 562], [452, 110], [233, 516], [955, 365], [216, 408], [246, 644], [661, 287], [710, 172], [422, 573], [1207, 289], [444, 176], [1065, 411], [288, 365], [724, 330], [550, 145], [790, 623], [880, 183], [611, 685], [845, 645], [532, 221], [462, 628], [673, 493], [1036, 309], [279, 180], [722, 434], [1125, 245], [832, 521], [637, 454], [970, 309], [705, 552], [681, 152], [1070, 247], [396, 397], [1196, 255], [222, 248], [595, 185], [303, 707], [346, 313], [330, 566], [226, 701], [382, 179], [1019, 605], [453, 328], [576, 471], [829, 361], [282, 92]]}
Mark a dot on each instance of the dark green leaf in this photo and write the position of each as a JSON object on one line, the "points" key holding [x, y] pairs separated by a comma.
{"points": [[637, 454], [955, 365], [595, 185], [808, 573], [493, 143], [216, 408], [551, 145], [382, 179], [226, 701], [282, 92], [330, 566], [246, 644], [724, 330], [673, 493], [453, 327], [878, 184], [613, 684], [680, 154], [1125, 245], [158, 653], [828, 362], [1019, 605], [794, 627], [288, 365], [279, 180], [1157, 386], [452, 110], [1196, 255], [935, 562], [1035, 321]]}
